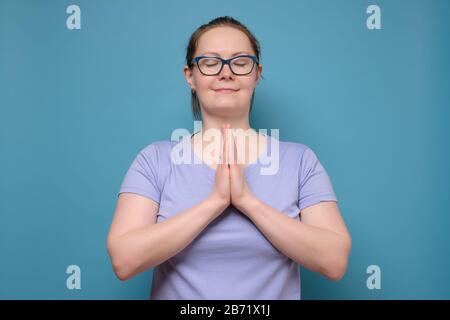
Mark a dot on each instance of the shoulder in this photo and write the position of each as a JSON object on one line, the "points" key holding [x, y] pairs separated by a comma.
{"points": [[292, 149], [298, 154], [154, 156], [296, 147], [158, 149]]}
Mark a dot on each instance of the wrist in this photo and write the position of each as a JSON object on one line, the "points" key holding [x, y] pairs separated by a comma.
{"points": [[218, 202], [246, 204]]}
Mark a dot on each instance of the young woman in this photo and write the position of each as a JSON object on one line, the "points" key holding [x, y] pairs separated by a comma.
{"points": [[218, 228]]}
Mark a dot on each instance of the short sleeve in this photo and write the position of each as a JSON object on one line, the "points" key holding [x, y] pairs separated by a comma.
{"points": [[314, 182], [142, 176]]}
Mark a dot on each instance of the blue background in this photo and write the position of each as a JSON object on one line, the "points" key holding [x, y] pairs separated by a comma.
{"points": [[77, 106]]}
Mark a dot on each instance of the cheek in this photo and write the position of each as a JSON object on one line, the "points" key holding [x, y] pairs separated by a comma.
{"points": [[247, 85], [203, 82]]}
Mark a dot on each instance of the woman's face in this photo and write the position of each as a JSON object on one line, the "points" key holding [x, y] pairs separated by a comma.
{"points": [[226, 42]]}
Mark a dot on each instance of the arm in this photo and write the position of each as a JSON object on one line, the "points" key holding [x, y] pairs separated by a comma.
{"points": [[136, 242], [320, 241]]}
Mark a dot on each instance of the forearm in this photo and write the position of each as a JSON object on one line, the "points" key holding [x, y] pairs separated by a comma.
{"points": [[317, 249], [144, 248]]}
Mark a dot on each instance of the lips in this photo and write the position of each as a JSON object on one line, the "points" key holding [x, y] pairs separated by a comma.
{"points": [[225, 90]]}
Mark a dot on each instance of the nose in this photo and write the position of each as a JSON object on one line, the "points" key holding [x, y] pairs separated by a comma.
{"points": [[226, 71]]}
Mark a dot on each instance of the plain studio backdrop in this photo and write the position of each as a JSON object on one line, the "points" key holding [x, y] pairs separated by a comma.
{"points": [[84, 88]]}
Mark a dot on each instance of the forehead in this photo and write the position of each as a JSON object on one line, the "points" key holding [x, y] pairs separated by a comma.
{"points": [[225, 41]]}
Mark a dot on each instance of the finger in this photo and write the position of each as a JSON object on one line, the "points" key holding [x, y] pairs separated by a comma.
{"points": [[230, 147], [224, 137], [235, 168], [222, 147], [227, 149], [235, 150]]}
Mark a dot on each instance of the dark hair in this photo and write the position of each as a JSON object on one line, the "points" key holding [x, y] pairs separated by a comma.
{"points": [[192, 46]]}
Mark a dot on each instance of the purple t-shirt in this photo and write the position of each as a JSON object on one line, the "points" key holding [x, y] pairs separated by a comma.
{"points": [[230, 258]]}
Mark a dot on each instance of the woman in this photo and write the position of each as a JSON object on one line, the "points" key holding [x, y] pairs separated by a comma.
{"points": [[221, 229]]}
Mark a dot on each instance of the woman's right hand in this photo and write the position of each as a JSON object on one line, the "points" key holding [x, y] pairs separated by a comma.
{"points": [[221, 189]]}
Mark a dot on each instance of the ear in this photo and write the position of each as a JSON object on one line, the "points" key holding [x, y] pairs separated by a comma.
{"points": [[189, 77], [258, 74]]}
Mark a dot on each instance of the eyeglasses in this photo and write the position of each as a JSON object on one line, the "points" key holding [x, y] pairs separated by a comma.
{"points": [[212, 66]]}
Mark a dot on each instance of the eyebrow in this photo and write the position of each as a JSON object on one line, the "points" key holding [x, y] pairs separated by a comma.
{"points": [[215, 53]]}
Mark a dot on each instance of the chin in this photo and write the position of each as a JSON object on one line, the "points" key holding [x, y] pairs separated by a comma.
{"points": [[223, 107]]}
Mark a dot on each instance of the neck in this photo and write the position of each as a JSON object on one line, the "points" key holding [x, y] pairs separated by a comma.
{"points": [[246, 137], [217, 124]]}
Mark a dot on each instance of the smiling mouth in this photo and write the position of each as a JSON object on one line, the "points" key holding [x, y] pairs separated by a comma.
{"points": [[226, 91]]}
